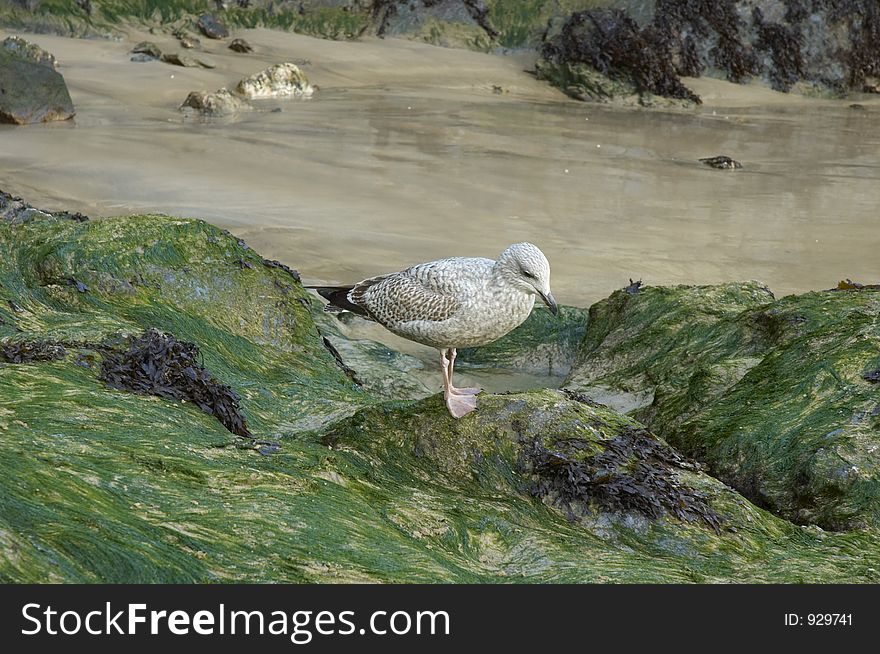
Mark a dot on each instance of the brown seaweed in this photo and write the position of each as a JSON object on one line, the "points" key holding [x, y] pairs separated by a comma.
{"points": [[158, 364], [634, 472]]}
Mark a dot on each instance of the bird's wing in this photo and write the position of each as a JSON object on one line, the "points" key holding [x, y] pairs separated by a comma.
{"points": [[404, 297]]}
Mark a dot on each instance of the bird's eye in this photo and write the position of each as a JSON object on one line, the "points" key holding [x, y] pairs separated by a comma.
{"points": [[526, 273]]}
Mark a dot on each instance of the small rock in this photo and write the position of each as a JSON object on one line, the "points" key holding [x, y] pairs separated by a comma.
{"points": [[187, 60], [240, 45], [190, 42], [147, 48], [212, 27], [142, 57], [721, 162], [278, 81], [219, 103]]}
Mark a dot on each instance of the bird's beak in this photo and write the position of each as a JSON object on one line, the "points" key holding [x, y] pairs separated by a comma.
{"points": [[550, 301]]}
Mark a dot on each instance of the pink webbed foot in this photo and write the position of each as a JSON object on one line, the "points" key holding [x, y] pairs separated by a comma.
{"points": [[460, 405], [465, 391]]}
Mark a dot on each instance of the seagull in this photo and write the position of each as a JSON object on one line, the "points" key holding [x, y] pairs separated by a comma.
{"points": [[452, 303]]}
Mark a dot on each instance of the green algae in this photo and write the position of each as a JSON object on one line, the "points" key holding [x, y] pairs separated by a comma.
{"points": [[107, 485], [770, 393], [421, 450], [108, 16]]}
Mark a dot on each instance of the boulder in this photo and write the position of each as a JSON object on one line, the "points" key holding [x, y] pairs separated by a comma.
{"points": [[775, 396], [277, 81], [31, 90]]}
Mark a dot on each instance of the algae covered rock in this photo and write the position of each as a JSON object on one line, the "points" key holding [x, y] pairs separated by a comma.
{"points": [[772, 394], [31, 90], [815, 48], [172, 413], [603, 54], [548, 485]]}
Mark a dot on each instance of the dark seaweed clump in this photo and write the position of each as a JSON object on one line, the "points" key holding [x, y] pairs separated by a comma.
{"points": [[784, 44], [634, 472], [158, 364], [29, 351], [612, 43], [835, 43]]}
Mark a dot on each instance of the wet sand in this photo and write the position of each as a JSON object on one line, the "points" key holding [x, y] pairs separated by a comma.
{"points": [[408, 153]]}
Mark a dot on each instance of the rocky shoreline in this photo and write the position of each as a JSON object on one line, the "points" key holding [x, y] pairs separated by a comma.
{"points": [[629, 52], [744, 453]]}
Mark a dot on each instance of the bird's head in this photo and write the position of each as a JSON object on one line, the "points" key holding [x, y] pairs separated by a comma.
{"points": [[525, 267]]}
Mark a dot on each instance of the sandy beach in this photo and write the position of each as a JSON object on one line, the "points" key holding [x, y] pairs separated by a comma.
{"points": [[410, 152]]}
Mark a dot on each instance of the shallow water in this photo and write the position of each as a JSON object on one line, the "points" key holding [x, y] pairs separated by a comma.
{"points": [[407, 154]]}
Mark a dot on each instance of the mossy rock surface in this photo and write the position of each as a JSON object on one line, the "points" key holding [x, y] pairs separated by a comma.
{"points": [[775, 395], [468, 491], [336, 485]]}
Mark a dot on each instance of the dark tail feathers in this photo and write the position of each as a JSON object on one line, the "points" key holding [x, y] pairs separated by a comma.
{"points": [[337, 296]]}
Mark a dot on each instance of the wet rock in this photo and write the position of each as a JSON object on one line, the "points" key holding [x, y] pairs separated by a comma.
{"points": [[147, 48], [218, 103], [187, 60], [721, 162], [380, 370], [240, 45], [771, 394], [189, 42], [31, 90], [212, 27], [18, 212], [543, 345], [277, 81]]}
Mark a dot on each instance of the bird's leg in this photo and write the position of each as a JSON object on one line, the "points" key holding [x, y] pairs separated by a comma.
{"points": [[459, 404], [452, 389]]}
